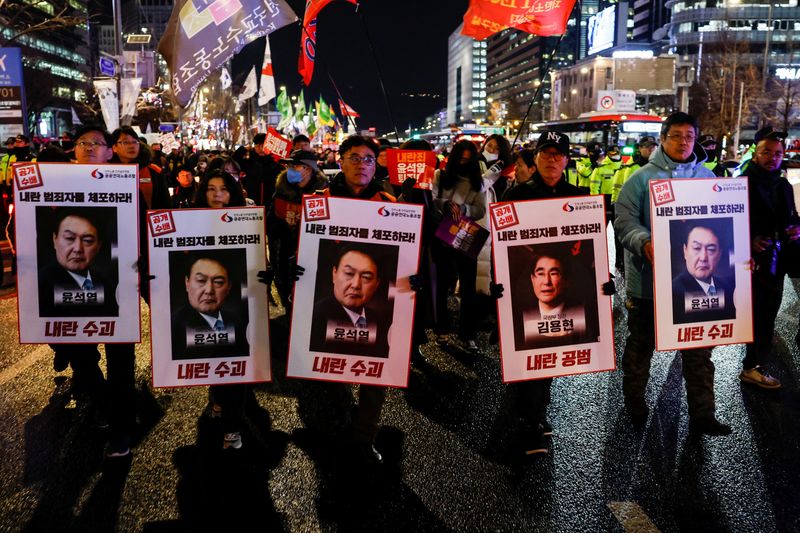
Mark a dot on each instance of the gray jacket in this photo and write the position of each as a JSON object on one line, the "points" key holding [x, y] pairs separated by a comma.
{"points": [[632, 222]]}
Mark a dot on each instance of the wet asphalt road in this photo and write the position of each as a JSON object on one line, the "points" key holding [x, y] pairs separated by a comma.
{"points": [[448, 443]]}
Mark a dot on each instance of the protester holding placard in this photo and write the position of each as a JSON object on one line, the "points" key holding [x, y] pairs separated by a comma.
{"points": [[186, 189], [775, 234], [495, 156], [678, 156], [129, 149], [457, 193], [302, 176]]}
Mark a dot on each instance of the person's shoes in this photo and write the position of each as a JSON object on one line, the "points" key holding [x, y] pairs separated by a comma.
{"points": [[472, 347], [118, 448], [759, 377], [709, 426], [232, 441], [60, 361], [368, 454], [545, 428], [536, 445]]}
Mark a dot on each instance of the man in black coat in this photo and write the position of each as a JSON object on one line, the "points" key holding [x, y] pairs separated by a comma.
{"points": [[699, 293], [348, 321], [71, 286], [204, 328]]}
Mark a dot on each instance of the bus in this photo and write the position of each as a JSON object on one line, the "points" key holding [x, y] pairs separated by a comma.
{"points": [[624, 129]]}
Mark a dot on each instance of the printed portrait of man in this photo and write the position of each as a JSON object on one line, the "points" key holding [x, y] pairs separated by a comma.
{"points": [[210, 324], [353, 318], [703, 289], [550, 308], [73, 283]]}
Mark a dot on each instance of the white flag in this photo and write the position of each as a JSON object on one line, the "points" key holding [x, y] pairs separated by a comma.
{"points": [[250, 86], [75, 118], [129, 92], [225, 78], [266, 89], [109, 102]]}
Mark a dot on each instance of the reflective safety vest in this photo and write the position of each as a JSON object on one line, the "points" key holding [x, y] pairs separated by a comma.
{"points": [[602, 179], [621, 176]]}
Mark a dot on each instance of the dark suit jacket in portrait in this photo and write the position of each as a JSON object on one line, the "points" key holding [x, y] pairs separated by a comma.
{"points": [[60, 294], [685, 286], [193, 338], [574, 327], [332, 331]]}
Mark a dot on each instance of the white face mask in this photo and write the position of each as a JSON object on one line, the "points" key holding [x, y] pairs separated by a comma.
{"points": [[490, 156]]}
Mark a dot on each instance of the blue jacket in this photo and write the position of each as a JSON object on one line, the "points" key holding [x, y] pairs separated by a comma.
{"points": [[632, 222]]}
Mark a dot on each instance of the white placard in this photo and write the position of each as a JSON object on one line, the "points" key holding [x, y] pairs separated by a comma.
{"points": [[358, 256], [210, 314], [551, 258], [77, 247], [701, 270]]}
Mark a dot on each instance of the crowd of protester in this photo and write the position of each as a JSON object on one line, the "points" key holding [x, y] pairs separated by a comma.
{"points": [[469, 178]]}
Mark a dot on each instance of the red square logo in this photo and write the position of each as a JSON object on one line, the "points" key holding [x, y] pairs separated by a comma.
{"points": [[27, 176], [661, 191], [504, 216], [161, 223], [315, 208]]}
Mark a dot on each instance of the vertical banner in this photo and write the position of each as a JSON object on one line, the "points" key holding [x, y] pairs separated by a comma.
{"points": [[551, 257], [209, 311], [354, 308], [109, 102], [701, 269], [417, 164], [77, 248], [13, 114], [129, 91]]}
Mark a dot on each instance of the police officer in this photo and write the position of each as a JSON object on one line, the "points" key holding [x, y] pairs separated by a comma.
{"points": [[709, 144], [586, 165]]}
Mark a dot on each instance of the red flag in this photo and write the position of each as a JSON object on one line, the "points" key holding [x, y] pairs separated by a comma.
{"points": [[486, 17], [347, 111], [308, 39]]}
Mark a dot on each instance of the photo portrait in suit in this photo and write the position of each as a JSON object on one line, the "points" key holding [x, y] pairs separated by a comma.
{"points": [[352, 310], [703, 281], [77, 276], [554, 294], [209, 315]]}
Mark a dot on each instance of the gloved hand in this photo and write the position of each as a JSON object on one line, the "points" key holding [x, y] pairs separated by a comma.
{"points": [[609, 288], [266, 276], [416, 282], [407, 188], [496, 290], [295, 269]]}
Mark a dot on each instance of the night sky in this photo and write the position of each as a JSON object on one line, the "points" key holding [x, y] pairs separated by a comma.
{"points": [[410, 42]]}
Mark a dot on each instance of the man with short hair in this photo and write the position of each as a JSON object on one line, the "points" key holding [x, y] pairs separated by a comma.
{"points": [[129, 149], [702, 252], [301, 142], [775, 233], [677, 157]]}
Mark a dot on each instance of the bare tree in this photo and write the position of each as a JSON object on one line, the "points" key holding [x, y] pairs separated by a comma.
{"points": [[21, 17]]}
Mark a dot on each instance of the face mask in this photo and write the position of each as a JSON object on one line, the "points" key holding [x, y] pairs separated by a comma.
{"points": [[293, 176], [615, 157], [489, 156]]}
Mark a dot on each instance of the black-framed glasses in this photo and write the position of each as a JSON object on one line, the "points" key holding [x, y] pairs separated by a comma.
{"points": [[89, 144], [357, 160]]}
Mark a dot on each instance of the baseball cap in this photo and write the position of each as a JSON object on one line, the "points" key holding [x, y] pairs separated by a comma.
{"points": [[647, 140], [769, 132], [554, 139], [706, 139], [305, 157], [612, 150]]}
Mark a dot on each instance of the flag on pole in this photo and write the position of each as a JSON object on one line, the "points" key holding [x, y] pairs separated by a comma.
{"points": [[284, 108], [249, 88], [300, 108], [324, 113], [347, 111], [308, 38], [266, 89], [75, 118], [200, 38], [487, 17], [225, 78]]}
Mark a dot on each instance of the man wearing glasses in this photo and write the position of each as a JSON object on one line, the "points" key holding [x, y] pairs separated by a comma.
{"points": [[678, 156], [129, 150]]}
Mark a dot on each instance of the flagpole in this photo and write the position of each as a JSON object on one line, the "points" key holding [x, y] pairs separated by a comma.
{"points": [[380, 75]]}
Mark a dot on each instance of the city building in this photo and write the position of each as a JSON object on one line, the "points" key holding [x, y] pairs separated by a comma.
{"points": [[466, 78]]}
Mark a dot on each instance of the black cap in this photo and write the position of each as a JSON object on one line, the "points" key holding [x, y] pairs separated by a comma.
{"points": [[647, 140], [770, 133], [554, 139], [706, 140], [612, 150], [23, 138], [594, 146], [305, 157]]}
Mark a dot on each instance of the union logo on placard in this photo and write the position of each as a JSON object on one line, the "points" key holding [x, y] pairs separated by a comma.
{"points": [[226, 218], [96, 174], [382, 211], [568, 207]]}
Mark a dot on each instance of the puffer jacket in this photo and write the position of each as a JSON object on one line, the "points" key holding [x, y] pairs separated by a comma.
{"points": [[632, 222]]}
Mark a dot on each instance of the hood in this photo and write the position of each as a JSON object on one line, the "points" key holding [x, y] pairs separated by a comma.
{"points": [[662, 161]]}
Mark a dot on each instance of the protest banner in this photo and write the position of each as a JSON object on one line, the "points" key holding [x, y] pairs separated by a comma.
{"points": [[277, 145], [358, 256], [465, 235], [551, 257], [209, 312], [417, 164], [77, 247], [701, 266]]}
